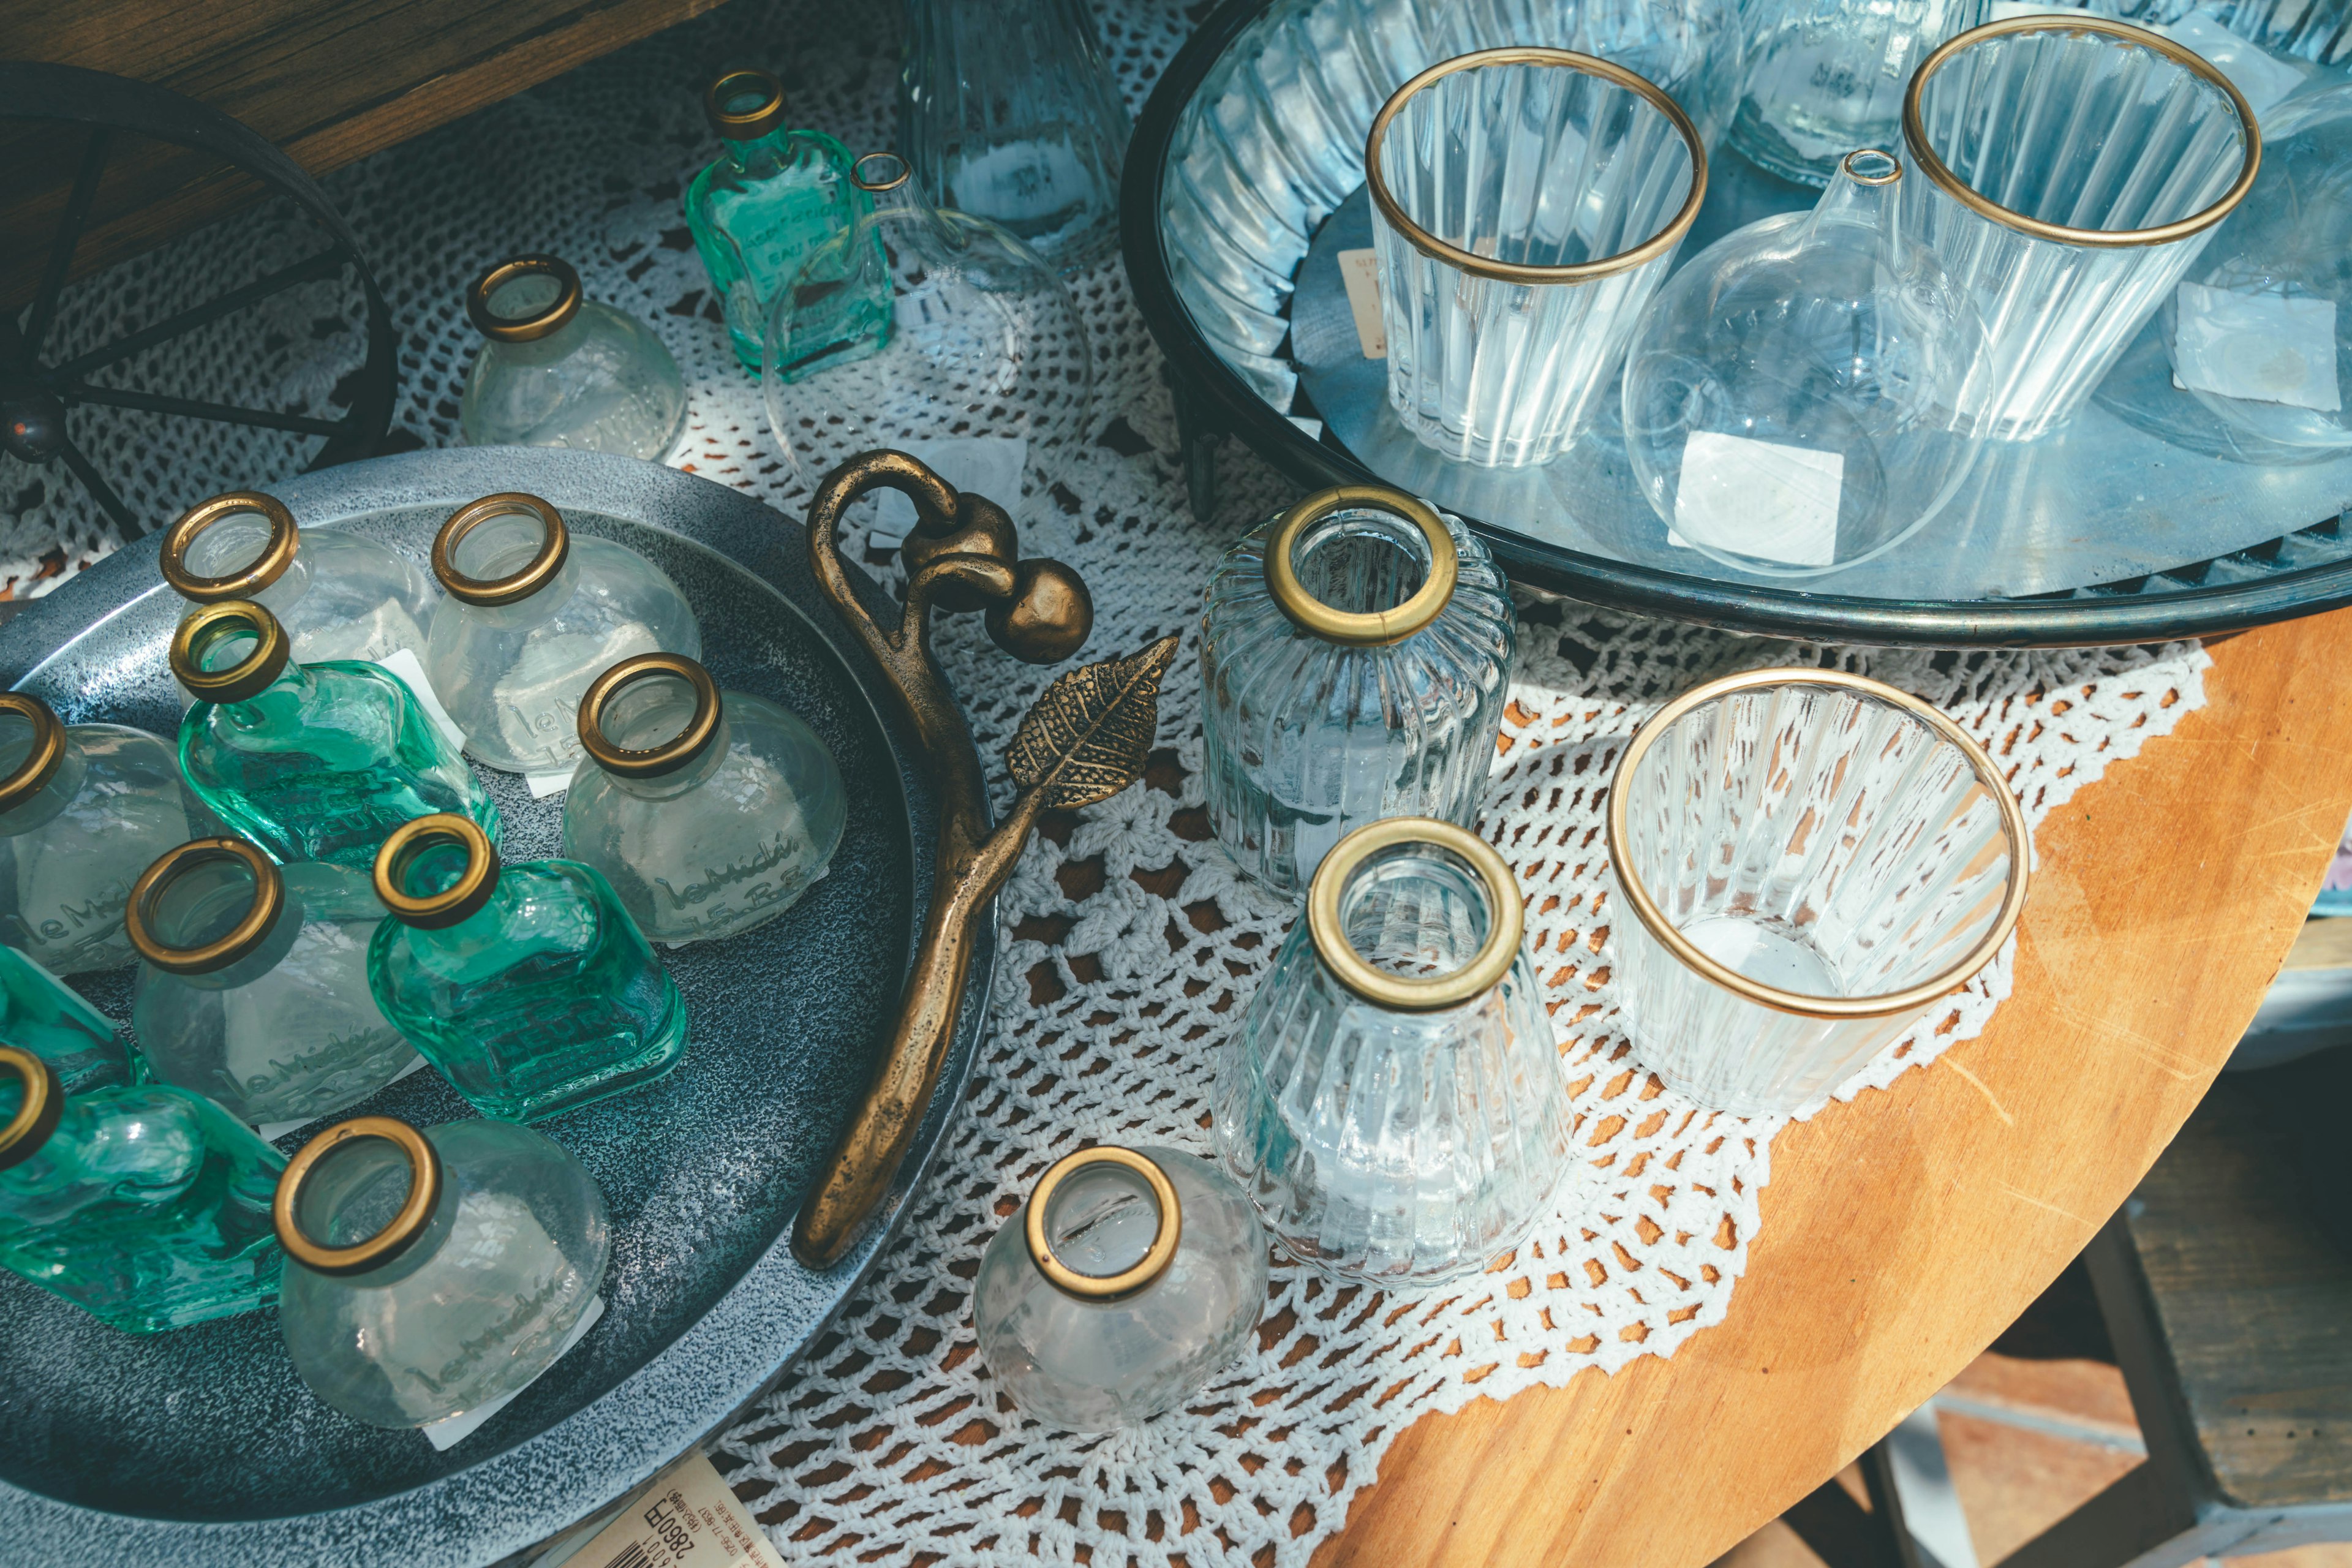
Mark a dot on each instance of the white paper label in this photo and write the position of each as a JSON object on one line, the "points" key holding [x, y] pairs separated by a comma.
{"points": [[447, 1434], [686, 1517], [983, 464], [404, 663], [1759, 499], [1360, 271], [2263, 347], [271, 1132], [1314, 427], [544, 784]]}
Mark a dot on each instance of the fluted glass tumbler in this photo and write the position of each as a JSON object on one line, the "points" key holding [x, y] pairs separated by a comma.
{"points": [[1393, 1100], [1808, 862], [1527, 204], [2075, 168], [1824, 77]]}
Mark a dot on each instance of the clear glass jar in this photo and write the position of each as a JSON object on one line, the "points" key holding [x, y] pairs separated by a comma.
{"points": [[1392, 1099], [147, 1207], [560, 370], [50, 1018], [255, 987], [84, 809], [708, 814], [528, 985], [534, 616], [1355, 658], [338, 595], [430, 1273], [1824, 77], [1128, 1278], [312, 762]]}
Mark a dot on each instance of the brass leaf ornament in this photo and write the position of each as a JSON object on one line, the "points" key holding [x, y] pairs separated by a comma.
{"points": [[1088, 736]]}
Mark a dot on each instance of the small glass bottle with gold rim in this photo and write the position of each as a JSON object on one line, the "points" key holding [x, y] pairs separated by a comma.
{"points": [[562, 369], [339, 595]]}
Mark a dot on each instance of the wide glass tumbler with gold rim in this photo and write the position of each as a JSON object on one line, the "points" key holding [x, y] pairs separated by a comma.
{"points": [[1527, 204], [1807, 861]]}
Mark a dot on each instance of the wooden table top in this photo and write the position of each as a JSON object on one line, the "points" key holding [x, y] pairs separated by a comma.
{"points": [[1902, 1232]]}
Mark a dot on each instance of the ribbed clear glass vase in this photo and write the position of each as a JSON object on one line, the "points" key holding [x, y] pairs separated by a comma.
{"points": [[1355, 658], [1825, 77]]}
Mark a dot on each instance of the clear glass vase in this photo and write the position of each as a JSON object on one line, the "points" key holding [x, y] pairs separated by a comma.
{"points": [[428, 1274], [1119, 1287], [1393, 1100], [147, 1207], [1691, 49], [48, 1017], [527, 985], [338, 595], [84, 809], [710, 814], [559, 370], [1355, 658], [1010, 113], [312, 762], [255, 988], [534, 615], [1826, 78], [1789, 394]]}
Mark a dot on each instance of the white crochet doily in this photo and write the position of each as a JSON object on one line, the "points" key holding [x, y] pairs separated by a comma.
{"points": [[1133, 945]]}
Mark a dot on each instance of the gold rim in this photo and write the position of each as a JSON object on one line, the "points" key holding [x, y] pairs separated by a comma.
{"points": [[549, 317], [277, 554], [268, 903], [250, 675], [1915, 133], [463, 898], [554, 548], [42, 759], [671, 754], [1311, 615], [1128, 1282], [1645, 909], [1429, 245], [396, 1237], [744, 124], [1887, 176], [1506, 917], [36, 1113], [878, 171]]}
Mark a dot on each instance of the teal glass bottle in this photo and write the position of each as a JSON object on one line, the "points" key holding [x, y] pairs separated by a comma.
{"points": [[528, 985], [48, 1017], [148, 1207], [312, 762], [772, 196]]}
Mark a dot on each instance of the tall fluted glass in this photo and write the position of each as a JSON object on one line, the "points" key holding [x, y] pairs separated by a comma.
{"points": [[1805, 863], [1527, 204], [2075, 168], [1824, 77]]}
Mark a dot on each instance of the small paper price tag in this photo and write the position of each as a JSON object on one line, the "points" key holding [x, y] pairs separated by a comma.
{"points": [[686, 1517], [2259, 347], [1759, 499], [980, 465], [1360, 271]]}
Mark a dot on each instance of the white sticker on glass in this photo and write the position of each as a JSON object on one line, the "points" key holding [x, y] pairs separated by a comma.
{"points": [[1759, 499], [983, 464], [2259, 347]]}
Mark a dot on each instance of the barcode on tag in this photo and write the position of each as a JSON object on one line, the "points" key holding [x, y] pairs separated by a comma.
{"points": [[1360, 271], [633, 1555], [686, 1517]]}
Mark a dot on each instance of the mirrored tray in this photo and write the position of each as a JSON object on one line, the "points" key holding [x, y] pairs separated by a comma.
{"points": [[202, 1446], [1244, 182]]}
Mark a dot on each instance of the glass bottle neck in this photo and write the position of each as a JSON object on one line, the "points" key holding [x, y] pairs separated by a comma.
{"points": [[764, 157], [686, 780], [357, 1191]]}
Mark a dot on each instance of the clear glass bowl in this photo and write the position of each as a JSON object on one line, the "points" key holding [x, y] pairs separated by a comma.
{"points": [[338, 595], [429, 1274], [1119, 1287], [1392, 1099], [562, 371], [1364, 679]]}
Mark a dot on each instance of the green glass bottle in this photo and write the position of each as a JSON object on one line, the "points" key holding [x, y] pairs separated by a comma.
{"points": [[45, 1016], [772, 196], [528, 985], [150, 1208], [312, 762]]}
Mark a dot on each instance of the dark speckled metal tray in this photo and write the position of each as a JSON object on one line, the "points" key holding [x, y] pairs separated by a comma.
{"points": [[202, 1446]]}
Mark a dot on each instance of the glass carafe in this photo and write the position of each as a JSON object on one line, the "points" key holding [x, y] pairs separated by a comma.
{"points": [[147, 1207], [50, 1018], [708, 812], [528, 985], [84, 809], [339, 595], [535, 614], [560, 370], [430, 1273], [255, 987], [312, 762]]}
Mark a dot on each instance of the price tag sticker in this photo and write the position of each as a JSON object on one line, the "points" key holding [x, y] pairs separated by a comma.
{"points": [[981, 465], [686, 1517], [2258, 347], [1360, 271], [1759, 499]]}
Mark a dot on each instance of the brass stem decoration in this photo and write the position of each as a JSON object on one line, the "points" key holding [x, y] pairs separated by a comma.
{"points": [[1085, 740]]}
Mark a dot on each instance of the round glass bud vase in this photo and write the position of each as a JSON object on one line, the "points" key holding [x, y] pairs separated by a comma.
{"points": [[1128, 1278], [312, 762], [84, 809], [338, 595], [562, 371], [1355, 658], [429, 1273], [1788, 395], [528, 985], [534, 616], [708, 814], [254, 989], [1392, 1099], [147, 1207]]}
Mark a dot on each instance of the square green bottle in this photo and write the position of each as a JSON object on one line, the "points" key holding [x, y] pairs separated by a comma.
{"points": [[312, 762], [150, 1208], [528, 985], [48, 1017]]}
